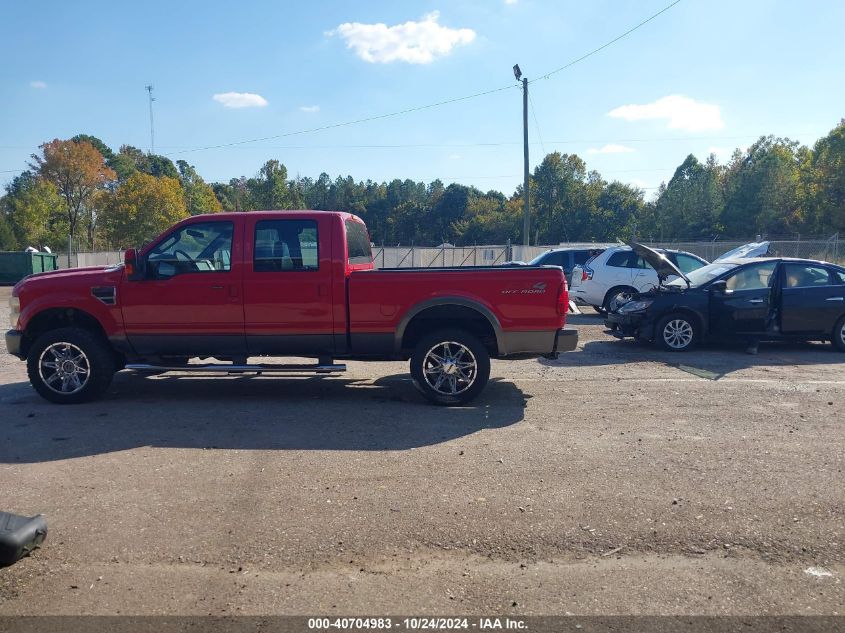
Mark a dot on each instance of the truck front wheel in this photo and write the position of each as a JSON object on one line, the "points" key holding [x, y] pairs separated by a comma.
{"points": [[70, 365], [450, 367]]}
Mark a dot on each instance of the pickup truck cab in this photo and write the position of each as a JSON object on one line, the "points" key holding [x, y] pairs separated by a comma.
{"points": [[231, 286]]}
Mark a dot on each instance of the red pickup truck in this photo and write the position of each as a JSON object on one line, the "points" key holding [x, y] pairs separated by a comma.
{"points": [[231, 286]]}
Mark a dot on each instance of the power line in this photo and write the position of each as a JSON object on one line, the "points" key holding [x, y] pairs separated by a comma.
{"points": [[430, 105], [489, 144], [346, 123], [536, 123], [606, 44]]}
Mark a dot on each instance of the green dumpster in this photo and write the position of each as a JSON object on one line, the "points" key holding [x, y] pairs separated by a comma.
{"points": [[14, 266]]}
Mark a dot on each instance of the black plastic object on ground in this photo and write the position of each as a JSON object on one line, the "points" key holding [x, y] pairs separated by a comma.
{"points": [[19, 536]]}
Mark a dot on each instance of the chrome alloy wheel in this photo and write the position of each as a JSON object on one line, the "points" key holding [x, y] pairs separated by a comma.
{"points": [[450, 368], [64, 368], [677, 333]]}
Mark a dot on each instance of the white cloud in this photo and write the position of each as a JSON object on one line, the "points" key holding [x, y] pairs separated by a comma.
{"points": [[313, 108], [37, 84], [240, 100], [680, 112], [412, 42], [511, 1], [611, 148]]}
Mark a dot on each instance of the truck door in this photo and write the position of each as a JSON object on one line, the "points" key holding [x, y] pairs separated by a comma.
{"points": [[288, 286], [189, 302], [813, 299], [745, 306]]}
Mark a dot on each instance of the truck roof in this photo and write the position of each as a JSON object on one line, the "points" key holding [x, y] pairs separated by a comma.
{"points": [[274, 213]]}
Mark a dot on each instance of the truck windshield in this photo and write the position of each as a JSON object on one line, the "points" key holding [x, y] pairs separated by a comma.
{"points": [[702, 275]]}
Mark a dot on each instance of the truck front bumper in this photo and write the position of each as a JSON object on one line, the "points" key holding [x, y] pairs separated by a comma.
{"points": [[14, 340], [538, 343]]}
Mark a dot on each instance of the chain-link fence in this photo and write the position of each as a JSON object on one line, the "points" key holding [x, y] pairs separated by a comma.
{"points": [[439, 257], [493, 255], [824, 249]]}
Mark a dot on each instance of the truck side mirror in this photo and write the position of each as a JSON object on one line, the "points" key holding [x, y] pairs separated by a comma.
{"points": [[134, 272], [719, 287]]}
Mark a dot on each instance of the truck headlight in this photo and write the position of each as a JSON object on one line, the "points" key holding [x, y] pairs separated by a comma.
{"points": [[14, 310], [635, 306]]}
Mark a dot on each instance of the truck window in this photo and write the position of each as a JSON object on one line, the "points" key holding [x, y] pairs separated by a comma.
{"points": [[204, 247], [358, 243], [286, 246]]}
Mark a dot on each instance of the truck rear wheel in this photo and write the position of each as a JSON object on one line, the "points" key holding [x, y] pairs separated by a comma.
{"points": [[450, 367], [70, 365]]}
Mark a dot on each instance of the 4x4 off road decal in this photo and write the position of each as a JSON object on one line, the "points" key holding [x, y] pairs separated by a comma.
{"points": [[537, 289]]}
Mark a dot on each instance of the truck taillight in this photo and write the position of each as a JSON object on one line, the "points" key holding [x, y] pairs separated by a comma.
{"points": [[562, 299], [586, 273]]}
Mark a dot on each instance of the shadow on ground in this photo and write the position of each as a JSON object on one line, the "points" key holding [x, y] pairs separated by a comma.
{"points": [[248, 413], [711, 361]]}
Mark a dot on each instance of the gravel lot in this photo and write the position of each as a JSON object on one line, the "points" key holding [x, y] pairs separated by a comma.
{"points": [[616, 480]]}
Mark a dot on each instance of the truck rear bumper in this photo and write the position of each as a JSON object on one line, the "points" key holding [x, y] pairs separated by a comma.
{"points": [[14, 339], [538, 343]]}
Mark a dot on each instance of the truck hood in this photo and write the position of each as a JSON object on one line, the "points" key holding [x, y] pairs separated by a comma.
{"points": [[752, 249], [664, 267], [84, 275]]}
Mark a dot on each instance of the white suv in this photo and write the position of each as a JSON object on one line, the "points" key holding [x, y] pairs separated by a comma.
{"points": [[619, 270]]}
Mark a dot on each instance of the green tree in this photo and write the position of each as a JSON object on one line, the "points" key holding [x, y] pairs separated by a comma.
{"points": [[33, 209], [825, 176], [691, 205], [199, 196], [762, 189], [142, 207], [78, 172]]}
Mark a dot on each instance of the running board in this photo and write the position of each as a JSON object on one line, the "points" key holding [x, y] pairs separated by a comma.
{"points": [[242, 369]]}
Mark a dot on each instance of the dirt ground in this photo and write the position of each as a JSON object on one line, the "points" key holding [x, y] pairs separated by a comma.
{"points": [[616, 480]]}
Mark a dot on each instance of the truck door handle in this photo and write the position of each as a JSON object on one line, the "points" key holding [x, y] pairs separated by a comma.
{"points": [[756, 300], [835, 299], [217, 287]]}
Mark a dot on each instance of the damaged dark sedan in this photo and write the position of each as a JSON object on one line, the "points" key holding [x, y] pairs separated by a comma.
{"points": [[765, 299]]}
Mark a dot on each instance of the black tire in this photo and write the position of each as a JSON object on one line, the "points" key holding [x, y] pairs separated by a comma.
{"points": [[612, 294], [677, 332], [454, 388], [838, 335], [81, 368]]}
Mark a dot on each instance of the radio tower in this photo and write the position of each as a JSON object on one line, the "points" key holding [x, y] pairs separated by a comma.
{"points": [[149, 89]]}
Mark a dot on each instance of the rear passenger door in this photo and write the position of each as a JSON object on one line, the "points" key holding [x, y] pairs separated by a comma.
{"points": [[288, 286], [812, 298]]}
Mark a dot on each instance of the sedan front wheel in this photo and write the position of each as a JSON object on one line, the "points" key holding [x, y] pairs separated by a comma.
{"points": [[676, 333]]}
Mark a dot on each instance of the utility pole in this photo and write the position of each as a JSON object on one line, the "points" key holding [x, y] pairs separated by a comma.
{"points": [[526, 221], [149, 89]]}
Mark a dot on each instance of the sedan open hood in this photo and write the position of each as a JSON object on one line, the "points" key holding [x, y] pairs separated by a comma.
{"points": [[753, 249], [664, 267]]}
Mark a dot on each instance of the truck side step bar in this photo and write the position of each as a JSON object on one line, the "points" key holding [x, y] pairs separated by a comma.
{"points": [[242, 369]]}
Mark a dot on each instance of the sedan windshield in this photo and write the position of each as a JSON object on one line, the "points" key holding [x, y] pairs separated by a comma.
{"points": [[703, 275], [536, 260]]}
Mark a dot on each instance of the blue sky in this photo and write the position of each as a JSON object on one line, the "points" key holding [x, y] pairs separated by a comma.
{"points": [[705, 75]]}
